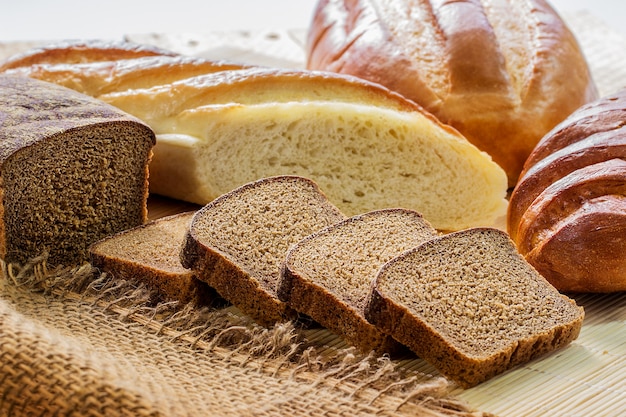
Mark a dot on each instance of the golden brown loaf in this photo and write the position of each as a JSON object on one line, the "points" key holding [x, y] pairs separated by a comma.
{"points": [[502, 73], [73, 170], [367, 147], [76, 52], [567, 214], [96, 78], [468, 303]]}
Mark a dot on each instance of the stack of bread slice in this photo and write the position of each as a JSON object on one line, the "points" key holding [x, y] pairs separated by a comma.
{"points": [[467, 302]]}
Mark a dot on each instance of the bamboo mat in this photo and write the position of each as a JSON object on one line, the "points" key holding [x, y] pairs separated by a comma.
{"points": [[588, 378]]}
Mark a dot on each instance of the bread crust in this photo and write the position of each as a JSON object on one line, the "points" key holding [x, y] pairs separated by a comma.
{"points": [[96, 78], [567, 214], [579, 243], [486, 70], [580, 154], [75, 52]]}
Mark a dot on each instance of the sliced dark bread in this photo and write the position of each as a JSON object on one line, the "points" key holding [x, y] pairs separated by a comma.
{"points": [[150, 254], [469, 304], [328, 275], [238, 242]]}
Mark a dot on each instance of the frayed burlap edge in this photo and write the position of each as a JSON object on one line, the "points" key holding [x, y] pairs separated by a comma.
{"points": [[282, 351]]}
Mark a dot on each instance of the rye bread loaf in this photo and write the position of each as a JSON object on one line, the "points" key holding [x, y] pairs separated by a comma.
{"points": [[367, 147], [568, 211], [238, 242], [469, 304], [73, 170], [150, 254], [328, 275], [502, 73]]}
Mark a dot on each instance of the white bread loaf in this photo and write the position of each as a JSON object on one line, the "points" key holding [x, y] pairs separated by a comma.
{"points": [[367, 147], [502, 73]]}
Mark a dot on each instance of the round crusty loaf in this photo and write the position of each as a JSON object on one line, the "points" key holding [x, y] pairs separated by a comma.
{"points": [[503, 74], [567, 214]]}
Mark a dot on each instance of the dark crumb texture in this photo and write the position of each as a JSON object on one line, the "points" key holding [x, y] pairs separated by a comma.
{"points": [[238, 242], [150, 254], [328, 275], [74, 170], [471, 305]]}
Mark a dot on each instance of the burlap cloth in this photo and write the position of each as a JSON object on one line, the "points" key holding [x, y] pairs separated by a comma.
{"points": [[76, 343]]}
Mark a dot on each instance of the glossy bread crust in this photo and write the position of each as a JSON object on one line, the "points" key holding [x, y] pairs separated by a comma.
{"points": [[567, 214], [77, 52], [494, 72]]}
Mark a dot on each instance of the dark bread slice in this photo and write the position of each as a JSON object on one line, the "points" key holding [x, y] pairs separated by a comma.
{"points": [[328, 275], [150, 253], [469, 304], [237, 243], [73, 170]]}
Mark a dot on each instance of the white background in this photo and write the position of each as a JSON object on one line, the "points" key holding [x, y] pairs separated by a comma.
{"points": [[111, 19]]}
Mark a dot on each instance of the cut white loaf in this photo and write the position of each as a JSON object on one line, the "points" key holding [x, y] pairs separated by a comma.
{"points": [[73, 170], [367, 147], [469, 304], [328, 275], [237, 243], [150, 253]]}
